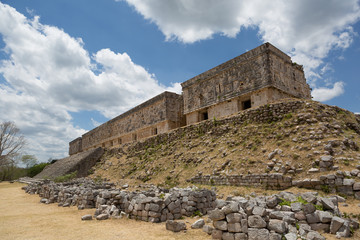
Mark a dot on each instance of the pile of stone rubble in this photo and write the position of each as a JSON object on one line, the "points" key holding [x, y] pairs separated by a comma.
{"points": [[281, 216], [154, 205]]}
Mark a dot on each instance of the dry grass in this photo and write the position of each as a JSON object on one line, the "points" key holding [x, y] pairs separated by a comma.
{"points": [[23, 217]]}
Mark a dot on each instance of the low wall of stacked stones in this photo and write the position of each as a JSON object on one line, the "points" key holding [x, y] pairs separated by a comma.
{"points": [[270, 181], [280, 216], [342, 182], [156, 205]]}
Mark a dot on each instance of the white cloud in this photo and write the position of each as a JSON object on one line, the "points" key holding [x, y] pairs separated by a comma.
{"points": [[95, 123], [325, 94], [307, 29], [49, 73]]}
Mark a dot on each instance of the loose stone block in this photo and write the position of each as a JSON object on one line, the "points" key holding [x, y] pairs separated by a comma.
{"points": [[86, 217], [336, 224], [175, 226], [198, 224]]}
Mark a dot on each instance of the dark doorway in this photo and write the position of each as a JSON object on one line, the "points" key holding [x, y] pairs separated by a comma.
{"points": [[246, 104], [205, 116]]}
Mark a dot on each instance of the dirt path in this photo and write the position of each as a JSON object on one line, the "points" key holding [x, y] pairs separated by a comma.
{"points": [[22, 216]]}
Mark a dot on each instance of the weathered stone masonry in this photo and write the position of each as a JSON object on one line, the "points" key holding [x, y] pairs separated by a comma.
{"points": [[157, 115], [257, 77], [254, 78]]}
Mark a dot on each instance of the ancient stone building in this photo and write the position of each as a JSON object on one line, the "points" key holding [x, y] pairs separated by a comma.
{"points": [[257, 77], [157, 115], [254, 78]]}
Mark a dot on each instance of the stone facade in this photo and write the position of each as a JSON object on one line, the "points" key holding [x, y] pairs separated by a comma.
{"points": [[157, 115], [257, 77]]}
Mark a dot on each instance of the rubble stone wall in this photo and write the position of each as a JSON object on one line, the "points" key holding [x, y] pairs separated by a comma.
{"points": [[280, 216], [269, 181], [155, 205], [342, 182], [277, 216]]}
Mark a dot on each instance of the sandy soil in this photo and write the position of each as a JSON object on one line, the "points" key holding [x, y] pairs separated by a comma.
{"points": [[22, 216]]}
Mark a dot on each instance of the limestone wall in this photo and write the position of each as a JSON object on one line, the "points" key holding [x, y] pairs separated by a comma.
{"points": [[225, 89], [257, 77], [75, 146], [157, 115]]}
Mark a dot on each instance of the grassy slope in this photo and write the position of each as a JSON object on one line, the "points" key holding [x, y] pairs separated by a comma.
{"points": [[230, 146]]}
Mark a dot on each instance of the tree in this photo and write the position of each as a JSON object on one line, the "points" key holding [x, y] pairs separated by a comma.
{"points": [[29, 160], [11, 142]]}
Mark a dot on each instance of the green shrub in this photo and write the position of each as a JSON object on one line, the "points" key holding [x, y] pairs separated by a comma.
{"points": [[36, 169], [288, 116], [325, 188], [197, 213], [66, 177], [301, 200], [319, 207]]}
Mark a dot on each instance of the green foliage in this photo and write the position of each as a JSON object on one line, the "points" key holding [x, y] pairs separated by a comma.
{"points": [[66, 177], [197, 213], [11, 172], [352, 230], [216, 123], [301, 200], [325, 188], [284, 202], [36, 169], [171, 181], [29, 160], [162, 196], [288, 116], [98, 179], [200, 131], [319, 207], [343, 195], [279, 136], [295, 156]]}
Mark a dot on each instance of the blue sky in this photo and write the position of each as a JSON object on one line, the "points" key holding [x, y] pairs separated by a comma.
{"points": [[66, 66]]}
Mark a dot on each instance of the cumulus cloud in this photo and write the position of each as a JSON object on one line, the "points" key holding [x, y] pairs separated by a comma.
{"points": [[48, 73], [325, 94], [307, 30], [95, 123]]}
